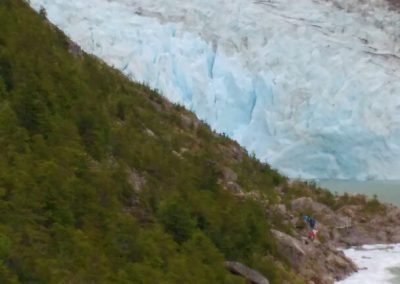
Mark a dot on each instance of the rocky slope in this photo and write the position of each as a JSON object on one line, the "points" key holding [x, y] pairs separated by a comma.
{"points": [[348, 225]]}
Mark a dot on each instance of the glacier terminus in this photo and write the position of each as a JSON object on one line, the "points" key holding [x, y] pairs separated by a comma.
{"points": [[310, 86]]}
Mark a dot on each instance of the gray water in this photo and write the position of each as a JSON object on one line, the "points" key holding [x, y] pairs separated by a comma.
{"points": [[387, 191]]}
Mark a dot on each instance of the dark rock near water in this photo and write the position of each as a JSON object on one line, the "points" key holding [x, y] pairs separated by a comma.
{"points": [[251, 275], [321, 263]]}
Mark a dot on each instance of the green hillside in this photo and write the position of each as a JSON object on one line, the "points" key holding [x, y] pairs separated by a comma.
{"points": [[103, 181]]}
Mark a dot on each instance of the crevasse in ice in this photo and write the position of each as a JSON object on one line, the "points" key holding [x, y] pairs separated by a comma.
{"points": [[310, 86]]}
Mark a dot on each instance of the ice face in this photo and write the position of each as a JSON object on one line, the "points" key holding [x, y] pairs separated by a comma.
{"points": [[310, 86]]}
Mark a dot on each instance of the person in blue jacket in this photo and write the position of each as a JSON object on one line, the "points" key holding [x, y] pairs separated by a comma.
{"points": [[310, 221]]}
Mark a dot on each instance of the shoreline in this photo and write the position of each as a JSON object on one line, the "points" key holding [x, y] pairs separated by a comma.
{"points": [[387, 191], [351, 224]]}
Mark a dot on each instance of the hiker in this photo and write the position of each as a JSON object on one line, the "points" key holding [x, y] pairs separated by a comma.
{"points": [[312, 224], [310, 221], [312, 234]]}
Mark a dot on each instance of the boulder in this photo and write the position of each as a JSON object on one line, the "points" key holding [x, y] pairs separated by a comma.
{"points": [[321, 263], [323, 213], [249, 274], [304, 203], [291, 247], [149, 132], [340, 265]]}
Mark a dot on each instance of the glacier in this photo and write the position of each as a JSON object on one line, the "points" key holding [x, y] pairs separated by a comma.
{"points": [[310, 86]]}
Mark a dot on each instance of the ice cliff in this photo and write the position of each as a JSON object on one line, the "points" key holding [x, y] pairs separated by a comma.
{"points": [[310, 86]]}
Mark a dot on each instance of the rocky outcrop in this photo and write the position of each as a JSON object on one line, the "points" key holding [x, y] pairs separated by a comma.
{"points": [[74, 49], [304, 203], [229, 178], [368, 228], [363, 222], [232, 152], [229, 175], [291, 247], [189, 121], [251, 275], [321, 263]]}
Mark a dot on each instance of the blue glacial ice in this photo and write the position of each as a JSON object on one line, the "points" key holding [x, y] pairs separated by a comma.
{"points": [[310, 86]]}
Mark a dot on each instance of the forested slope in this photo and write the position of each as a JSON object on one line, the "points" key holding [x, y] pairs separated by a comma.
{"points": [[102, 180]]}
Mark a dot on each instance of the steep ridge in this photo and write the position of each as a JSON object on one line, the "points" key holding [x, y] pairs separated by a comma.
{"points": [[104, 181], [308, 86]]}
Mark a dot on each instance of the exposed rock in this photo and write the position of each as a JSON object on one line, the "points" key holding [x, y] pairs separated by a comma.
{"points": [[149, 132], [340, 261], [337, 262], [234, 187], [323, 213], [380, 227], [229, 175], [136, 180], [349, 210], [232, 152], [157, 106], [281, 209], [177, 154], [304, 203], [74, 49], [189, 121], [249, 274], [291, 247], [321, 263]]}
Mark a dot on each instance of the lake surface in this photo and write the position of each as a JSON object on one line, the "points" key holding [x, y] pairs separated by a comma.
{"points": [[387, 191]]}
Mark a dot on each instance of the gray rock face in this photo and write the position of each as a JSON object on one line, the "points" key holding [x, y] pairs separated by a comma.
{"points": [[249, 274], [232, 152], [322, 263], [74, 49], [291, 247], [351, 225], [189, 121], [229, 175], [304, 203], [323, 213], [380, 227]]}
